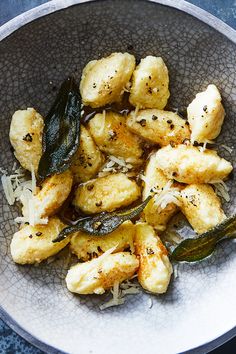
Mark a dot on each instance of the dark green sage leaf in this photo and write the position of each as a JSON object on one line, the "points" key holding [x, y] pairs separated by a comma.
{"points": [[196, 249], [61, 131], [103, 223]]}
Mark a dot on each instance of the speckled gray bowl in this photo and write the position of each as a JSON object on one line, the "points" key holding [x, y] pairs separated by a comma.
{"points": [[200, 305]]}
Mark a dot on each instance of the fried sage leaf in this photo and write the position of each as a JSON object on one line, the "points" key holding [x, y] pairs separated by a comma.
{"points": [[196, 249], [103, 223], [61, 131]]}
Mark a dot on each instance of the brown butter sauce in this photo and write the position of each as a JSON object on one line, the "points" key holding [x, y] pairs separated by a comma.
{"points": [[122, 107]]}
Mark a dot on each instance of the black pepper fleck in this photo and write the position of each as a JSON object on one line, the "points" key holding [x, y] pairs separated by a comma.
{"points": [[30, 236], [149, 251], [112, 135], [28, 137], [169, 121], [38, 233], [90, 187], [172, 126], [205, 108], [142, 122], [154, 117], [98, 204]]}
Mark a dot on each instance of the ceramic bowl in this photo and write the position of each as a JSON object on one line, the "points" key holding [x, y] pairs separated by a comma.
{"points": [[39, 50]]}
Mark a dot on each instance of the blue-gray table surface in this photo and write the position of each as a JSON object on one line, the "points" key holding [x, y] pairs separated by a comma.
{"points": [[10, 342]]}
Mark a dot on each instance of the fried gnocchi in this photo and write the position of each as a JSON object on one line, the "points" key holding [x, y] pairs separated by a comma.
{"points": [[187, 164], [87, 160], [154, 266], [86, 246], [150, 84], [103, 81], [159, 127], [52, 194], [33, 244], [112, 136], [26, 132], [155, 181], [202, 207], [206, 115], [100, 274], [106, 194]]}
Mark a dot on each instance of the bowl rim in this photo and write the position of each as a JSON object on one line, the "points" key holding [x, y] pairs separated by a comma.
{"points": [[55, 5]]}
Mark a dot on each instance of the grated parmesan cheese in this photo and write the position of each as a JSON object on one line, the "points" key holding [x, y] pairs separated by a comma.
{"points": [[119, 291], [11, 184], [203, 148], [19, 187], [227, 148], [135, 112], [150, 303], [166, 196], [222, 190], [175, 269], [113, 165], [143, 178], [102, 127]]}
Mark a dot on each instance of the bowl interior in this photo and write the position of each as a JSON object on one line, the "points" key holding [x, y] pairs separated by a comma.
{"points": [[33, 62]]}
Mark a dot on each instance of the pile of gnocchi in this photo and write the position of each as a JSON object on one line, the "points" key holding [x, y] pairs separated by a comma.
{"points": [[111, 170]]}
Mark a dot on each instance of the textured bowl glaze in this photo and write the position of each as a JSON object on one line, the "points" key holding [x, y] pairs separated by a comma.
{"points": [[200, 304]]}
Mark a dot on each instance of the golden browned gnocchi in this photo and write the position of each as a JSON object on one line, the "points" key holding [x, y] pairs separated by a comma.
{"points": [[87, 246], [33, 244], [206, 115], [154, 266], [106, 194], [157, 126], [153, 177], [112, 136], [26, 137], [155, 180], [102, 273], [202, 207], [87, 160], [188, 164], [103, 81], [54, 191], [150, 83]]}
